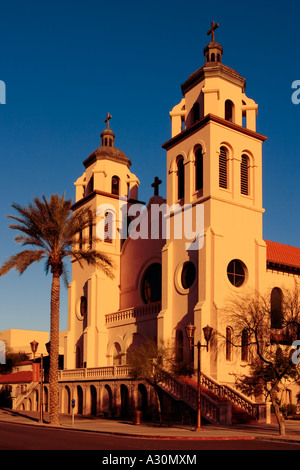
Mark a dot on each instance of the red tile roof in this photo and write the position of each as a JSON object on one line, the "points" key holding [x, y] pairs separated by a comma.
{"points": [[283, 255], [16, 377]]}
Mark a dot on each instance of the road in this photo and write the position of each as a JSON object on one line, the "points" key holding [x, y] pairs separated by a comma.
{"points": [[31, 437]]}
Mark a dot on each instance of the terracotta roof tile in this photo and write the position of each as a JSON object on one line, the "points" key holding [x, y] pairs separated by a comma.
{"points": [[16, 377], [284, 255]]}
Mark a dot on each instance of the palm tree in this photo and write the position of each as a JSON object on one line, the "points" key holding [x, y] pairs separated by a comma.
{"points": [[52, 231]]}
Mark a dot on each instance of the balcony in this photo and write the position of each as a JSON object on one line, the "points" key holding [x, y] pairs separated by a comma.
{"points": [[129, 315], [94, 373]]}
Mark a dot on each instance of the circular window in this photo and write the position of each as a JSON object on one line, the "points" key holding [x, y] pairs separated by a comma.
{"points": [[151, 284], [81, 309], [188, 275], [236, 272]]}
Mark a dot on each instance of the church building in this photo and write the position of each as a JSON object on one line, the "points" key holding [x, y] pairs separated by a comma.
{"points": [[167, 275]]}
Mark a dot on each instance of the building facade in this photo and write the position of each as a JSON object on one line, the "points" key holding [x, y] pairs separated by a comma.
{"points": [[170, 275]]}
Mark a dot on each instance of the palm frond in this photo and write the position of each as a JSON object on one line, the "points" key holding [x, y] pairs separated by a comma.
{"points": [[51, 227], [21, 261], [94, 258]]}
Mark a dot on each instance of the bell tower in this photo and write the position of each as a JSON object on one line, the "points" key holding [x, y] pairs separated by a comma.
{"points": [[214, 159], [106, 185]]}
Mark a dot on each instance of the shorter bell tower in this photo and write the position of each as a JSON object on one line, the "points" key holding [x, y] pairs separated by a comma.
{"points": [[105, 187]]}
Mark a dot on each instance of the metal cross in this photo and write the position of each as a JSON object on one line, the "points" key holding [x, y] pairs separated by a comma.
{"points": [[212, 30], [108, 117], [155, 185]]}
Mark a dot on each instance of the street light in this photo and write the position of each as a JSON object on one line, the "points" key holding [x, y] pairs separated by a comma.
{"points": [[34, 345], [190, 331]]}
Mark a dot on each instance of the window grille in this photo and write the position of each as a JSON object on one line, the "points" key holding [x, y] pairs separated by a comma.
{"points": [[223, 170], [245, 175]]}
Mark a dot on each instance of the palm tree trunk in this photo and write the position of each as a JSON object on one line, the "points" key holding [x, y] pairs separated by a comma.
{"points": [[54, 349]]}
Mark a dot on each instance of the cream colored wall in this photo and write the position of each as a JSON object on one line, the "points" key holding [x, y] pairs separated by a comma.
{"points": [[232, 221], [19, 340], [102, 171], [103, 295], [212, 92]]}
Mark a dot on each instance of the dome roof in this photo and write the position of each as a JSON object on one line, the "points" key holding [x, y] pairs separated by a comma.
{"points": [[107, 150]]}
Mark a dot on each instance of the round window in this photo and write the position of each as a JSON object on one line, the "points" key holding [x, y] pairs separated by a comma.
{"points": [[151, 284], [188, 275], [236, 272], [81, 308]]}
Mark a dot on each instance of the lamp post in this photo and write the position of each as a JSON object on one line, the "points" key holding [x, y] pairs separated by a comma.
{"points": [[34, 345], [190, 331]]}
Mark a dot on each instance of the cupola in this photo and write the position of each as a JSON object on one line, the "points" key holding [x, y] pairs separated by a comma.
{"points": [[213, 51], [107, 136]]}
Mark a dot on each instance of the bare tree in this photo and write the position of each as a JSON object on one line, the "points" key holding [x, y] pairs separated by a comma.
{"points": [[269, 348], [153, 364]]}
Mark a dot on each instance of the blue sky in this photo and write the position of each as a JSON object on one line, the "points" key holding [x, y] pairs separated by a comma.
{"points": [[67, 63]]}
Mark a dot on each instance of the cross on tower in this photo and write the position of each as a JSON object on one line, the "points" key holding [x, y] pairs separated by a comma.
{"points": [[212, 30], [155, 185], [108, 118]]}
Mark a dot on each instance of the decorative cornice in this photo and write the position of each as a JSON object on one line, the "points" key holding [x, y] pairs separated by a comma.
{"points": [[107, 153], [213, 70], [97, 192], [211, 118]]}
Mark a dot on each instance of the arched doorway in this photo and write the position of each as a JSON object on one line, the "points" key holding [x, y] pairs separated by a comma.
{"points": [[117, 357], [36, 401], [93, 393], [67, 400], [107, 400], [79, 400], [124, 401], [46, 399], [142, 403]]}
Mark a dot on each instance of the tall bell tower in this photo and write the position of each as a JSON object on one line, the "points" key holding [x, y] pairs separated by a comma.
{"points": [[214, 159]]}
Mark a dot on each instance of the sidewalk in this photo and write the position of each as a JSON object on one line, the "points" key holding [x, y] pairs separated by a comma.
{"points": [[154, 431]]}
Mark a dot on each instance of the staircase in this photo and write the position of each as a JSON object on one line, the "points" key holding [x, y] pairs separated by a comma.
{"points": [[220, 404], [17, 401]]}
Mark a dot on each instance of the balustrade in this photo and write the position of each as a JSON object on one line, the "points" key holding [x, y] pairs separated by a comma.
{"points": [[133, 313]]}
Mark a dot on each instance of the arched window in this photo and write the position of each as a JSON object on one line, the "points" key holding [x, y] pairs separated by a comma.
{"points": [[117, 356], [90, 185], [245, 175], [108, 227], [115, 185], [228, 343], [80, 240], [229, 110], [199, 168], [223, 168], [179, 346], [276, 308], [151, 284], [245, 344], [196, 112], [90, 236], [180, 178]]}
